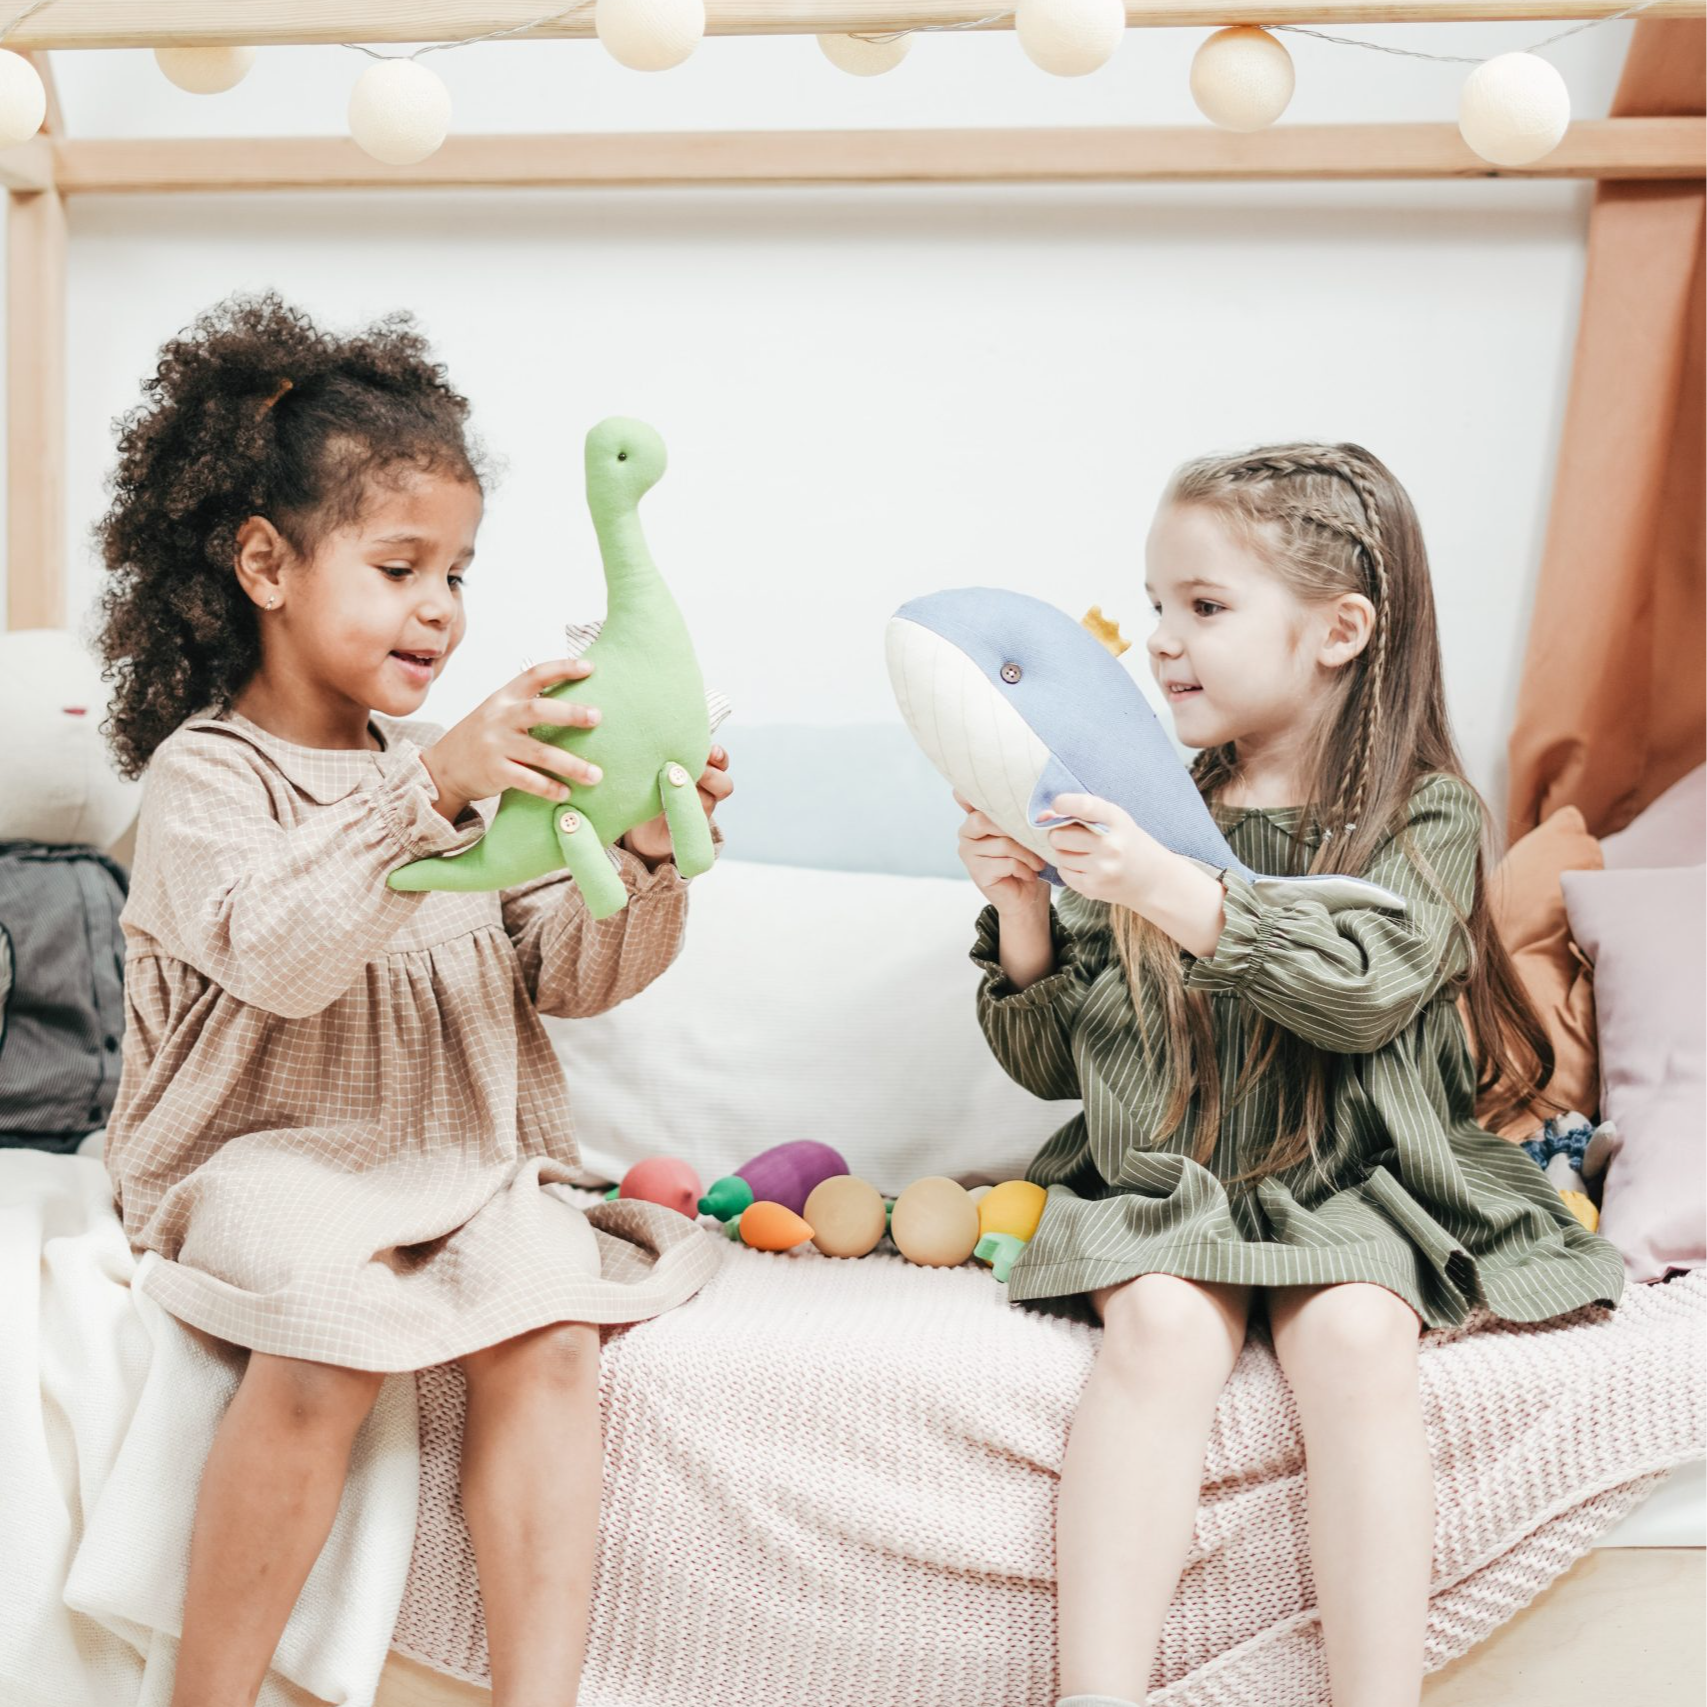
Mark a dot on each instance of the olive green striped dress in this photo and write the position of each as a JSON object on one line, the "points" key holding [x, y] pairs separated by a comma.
{"points": [[1410, 1193]]}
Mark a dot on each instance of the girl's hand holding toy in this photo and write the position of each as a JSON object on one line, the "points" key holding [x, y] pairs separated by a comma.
{"points": [[493, 747], [1120, 863], [1008, 874], [651, 840], [1104, 855]]}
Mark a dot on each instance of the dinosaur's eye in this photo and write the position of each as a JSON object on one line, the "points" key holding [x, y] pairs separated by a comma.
{"points": [[1011, 673], [622, 456]]}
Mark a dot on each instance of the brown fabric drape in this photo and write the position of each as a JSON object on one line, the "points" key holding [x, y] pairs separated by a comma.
{"points": [[1612, 707]]}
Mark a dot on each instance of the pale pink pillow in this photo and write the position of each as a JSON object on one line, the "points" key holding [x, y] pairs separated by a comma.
{"points": [[1644, 931], [1671, 830]]}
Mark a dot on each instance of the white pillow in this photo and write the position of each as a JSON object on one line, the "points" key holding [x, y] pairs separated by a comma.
{"points": [[833, 1005]]}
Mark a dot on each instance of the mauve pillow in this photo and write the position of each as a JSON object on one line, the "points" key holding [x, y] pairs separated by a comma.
{"points": [[1528, 908], [1643, 930], [1671, 830]]}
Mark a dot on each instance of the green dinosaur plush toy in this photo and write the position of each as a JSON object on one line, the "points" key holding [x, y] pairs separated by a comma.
{"points": [[653, 739]]}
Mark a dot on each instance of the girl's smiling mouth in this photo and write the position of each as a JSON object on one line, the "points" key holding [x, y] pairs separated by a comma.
{"points": [[417, 666]]}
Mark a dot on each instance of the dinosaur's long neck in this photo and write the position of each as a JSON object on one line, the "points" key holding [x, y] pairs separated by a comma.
{"points": [[631, 579]]}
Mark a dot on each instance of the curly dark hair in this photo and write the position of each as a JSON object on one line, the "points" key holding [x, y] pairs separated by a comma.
{"points": [[251, 411]]}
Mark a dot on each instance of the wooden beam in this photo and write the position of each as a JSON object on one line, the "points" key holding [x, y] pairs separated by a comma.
{"points": [[29, 166], [193, 23], [35, 410], [1593, 148]]}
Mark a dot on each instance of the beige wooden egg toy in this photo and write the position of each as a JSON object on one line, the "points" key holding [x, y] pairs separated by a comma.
{"points": [[848, 1217], [935, 1223]]}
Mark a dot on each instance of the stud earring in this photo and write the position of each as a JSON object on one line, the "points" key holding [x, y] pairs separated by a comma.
{"points": [[271, 602]]}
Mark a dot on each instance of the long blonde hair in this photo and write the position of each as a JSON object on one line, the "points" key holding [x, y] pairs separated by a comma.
{"points": [[1330, 519]]}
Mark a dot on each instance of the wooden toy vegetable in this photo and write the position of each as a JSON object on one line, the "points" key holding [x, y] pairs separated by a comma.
{"points": [[1007, 1219], [662, 1179], [934, 1223], [769, 1227], [785, 1174], [848, 1216]]}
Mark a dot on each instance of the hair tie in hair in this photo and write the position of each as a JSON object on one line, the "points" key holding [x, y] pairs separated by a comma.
{"points": [[284, 386]]}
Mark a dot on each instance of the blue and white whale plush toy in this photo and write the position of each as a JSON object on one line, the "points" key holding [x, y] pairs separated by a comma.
{"points": [[1015, 703]]}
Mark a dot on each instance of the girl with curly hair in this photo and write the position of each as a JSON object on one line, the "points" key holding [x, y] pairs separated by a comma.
{"points": [[341, 1135]]}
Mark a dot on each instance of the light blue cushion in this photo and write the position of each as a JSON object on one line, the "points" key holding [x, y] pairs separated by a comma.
{"points": [[838, 797]]}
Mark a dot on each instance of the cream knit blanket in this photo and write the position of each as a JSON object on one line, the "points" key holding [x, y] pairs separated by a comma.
{"points": [[833, 1483]]}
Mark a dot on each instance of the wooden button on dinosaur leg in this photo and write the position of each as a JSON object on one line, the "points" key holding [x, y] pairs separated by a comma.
{"points": [[690, 835], [584, 854]]}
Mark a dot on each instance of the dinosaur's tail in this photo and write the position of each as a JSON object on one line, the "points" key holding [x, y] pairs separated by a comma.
{"points": [[469, 870]]}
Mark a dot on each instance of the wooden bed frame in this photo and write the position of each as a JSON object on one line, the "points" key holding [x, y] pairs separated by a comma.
{"points": [[1622, 1628], [1625, 1624]]}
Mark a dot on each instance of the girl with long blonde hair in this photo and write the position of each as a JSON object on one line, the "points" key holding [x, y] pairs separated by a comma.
{"points": [[1279, 1095]]}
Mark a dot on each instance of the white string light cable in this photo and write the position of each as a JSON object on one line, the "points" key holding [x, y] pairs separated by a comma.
{"points": [[1513, 109]]}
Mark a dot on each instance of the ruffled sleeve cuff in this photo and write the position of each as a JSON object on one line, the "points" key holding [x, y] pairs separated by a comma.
{"points": [[1251, 928], [1071, 965], [662, 879], [660, 882], [405, 797]]}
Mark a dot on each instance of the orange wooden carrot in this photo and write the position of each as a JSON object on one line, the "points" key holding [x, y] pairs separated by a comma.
{"points": [[772, 1227]]}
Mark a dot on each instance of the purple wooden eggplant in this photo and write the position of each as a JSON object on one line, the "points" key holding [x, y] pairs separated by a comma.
{"points": [[785, 1174]]}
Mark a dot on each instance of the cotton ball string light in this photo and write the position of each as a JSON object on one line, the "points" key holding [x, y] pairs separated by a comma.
{"points": [[1070, 37], [861, 58], [650, 35], [23, 99], [205, 70], [1242, 78], [399, 111], [1514, 109]]}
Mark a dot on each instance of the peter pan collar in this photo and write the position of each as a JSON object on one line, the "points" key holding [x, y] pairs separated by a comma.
{"points": [[324, 774]]}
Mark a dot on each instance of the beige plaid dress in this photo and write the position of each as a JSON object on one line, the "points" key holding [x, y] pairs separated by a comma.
{"points": [[1408, 1192], [340, 1125]]}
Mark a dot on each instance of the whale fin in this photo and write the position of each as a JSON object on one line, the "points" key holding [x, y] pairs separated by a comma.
{"points": [[1332, 890], [1198, 831]]}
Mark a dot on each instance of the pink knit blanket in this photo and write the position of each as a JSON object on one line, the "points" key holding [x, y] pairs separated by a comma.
{"points": [[833, 1482]]}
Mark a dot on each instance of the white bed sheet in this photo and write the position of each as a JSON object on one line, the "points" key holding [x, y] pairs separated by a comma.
{"points": [[1675, 1515]]}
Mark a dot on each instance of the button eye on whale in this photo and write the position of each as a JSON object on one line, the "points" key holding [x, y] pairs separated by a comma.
{"points": [[1011, 673]]}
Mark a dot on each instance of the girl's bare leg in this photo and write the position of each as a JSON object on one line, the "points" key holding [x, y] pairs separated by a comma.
{"points": [[269, 1492], [1133, 1469], [1350, 1353], [532, 1468]]}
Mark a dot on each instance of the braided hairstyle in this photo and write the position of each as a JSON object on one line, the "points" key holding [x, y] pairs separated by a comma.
{"points": [[1331, 519], [251, 411]]}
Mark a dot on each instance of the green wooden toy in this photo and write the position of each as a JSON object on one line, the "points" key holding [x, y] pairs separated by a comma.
{"points": [[653, 738]]}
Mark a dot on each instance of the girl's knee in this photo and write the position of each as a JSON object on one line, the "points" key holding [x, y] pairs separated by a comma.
{"points": [[564, 1355], [315, 1395], [1357, 1339], [1162, 1320]]}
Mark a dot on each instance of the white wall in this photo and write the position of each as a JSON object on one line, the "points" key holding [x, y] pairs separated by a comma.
{"points": [[871, 393]]}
